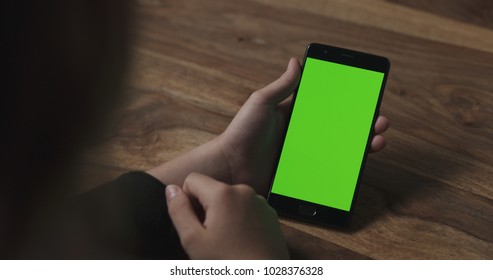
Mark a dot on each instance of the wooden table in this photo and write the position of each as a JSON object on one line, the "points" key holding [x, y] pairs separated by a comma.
{"points": [[429, 195]]}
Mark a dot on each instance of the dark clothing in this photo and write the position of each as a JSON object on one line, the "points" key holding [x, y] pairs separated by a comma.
{"points": [[123, 219], [128, 218]]}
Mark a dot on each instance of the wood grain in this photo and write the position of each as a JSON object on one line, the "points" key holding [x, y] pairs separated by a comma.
{"points": [[429, 195]]}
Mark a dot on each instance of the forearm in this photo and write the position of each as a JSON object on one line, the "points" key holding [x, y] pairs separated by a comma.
{"points": [[206, 159]]}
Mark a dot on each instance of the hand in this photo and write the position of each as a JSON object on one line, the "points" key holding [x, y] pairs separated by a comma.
{"points": [[237, 223], [251, 142], [246, 151]]}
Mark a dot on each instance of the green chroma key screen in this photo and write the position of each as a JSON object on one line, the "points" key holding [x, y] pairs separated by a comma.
{"points": [[327, 134]]}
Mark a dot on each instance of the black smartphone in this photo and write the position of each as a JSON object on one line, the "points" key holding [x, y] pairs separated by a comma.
{"points": [[328, 136]]}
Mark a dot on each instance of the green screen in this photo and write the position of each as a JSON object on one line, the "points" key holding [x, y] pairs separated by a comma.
{"points": [[327, 134]]}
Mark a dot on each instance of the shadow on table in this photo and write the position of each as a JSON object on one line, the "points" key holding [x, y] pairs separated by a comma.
{"points": [[391, 183]]}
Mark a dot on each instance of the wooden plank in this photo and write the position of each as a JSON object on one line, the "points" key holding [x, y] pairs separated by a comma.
{"points": [[305, 246], [399, 19], [478, 12]]}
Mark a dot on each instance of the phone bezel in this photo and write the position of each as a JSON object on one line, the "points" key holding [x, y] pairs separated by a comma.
{"points": [[326, 215]]}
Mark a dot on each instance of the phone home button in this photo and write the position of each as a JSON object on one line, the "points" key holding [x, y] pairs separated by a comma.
{"points": [[307, 210]]}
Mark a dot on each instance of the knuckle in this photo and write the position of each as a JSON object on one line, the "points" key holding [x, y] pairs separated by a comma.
{"points": [[245, 190], [224, 190], [257, 96], [190, 179], [191, 176]]}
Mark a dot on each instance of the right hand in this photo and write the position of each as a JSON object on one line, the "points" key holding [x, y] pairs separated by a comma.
{"points": [[237, 223]]}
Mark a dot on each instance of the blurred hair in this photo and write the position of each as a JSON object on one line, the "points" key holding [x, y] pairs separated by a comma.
{"points": [[65, 62]]}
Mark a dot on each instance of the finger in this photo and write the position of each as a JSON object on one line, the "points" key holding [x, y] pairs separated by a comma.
{"points": [[281, 88], [286, 103], [381, 125], [285, 106], [181, 212], [203, 188], [377, 144]]}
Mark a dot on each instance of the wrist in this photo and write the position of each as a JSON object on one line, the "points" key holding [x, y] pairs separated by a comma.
{"points": [[208, 159]]}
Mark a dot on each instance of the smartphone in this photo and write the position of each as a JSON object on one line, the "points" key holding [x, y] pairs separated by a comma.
{"points": [[328, 136]]}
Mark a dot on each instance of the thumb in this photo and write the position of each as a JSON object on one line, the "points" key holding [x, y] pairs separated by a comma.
{"points": [[181, 212], [281, 88]]}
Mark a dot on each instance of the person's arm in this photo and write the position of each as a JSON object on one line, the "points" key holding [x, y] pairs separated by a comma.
{"points": [[245, 152]]}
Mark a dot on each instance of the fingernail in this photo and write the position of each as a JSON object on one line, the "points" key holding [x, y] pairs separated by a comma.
{"points": [[171, 192]]}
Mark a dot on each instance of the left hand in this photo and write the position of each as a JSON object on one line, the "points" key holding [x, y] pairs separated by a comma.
{"points": [[246, 151], [251, 142]]}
